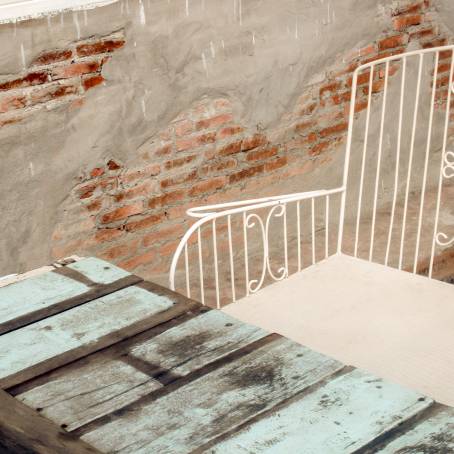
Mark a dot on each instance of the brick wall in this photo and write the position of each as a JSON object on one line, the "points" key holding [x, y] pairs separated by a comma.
{"points": [[134, 215], [56, 77]]}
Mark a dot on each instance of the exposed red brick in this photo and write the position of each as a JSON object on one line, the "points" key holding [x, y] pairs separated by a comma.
{"points": [[229, 131], [34, 78], [179, 162], [319, 148], [444, 54], [391, 42], [208, 186], [368, 50], [76, 69], [402, 22], [422, 33], [301, 142], [163, 150], [97, 172], [214, 122], [99, 47], [435, 43], [340, 98], [144, 189], [257, 155], [231, 148], [86, 191], [8, 103], [301, 127], [54, 91], [122, 250], [443, 68], [308, 109], [333, 130], [145, 223], [219, 166], [329, 87], [196, 141], [113, 165], [179, 179], [122, 213], [276, 164], [171, 232], [95, 205], [53, 56], [92, 81], [183, 128], [255, 141], [166, 199], [246, 173], [106, 235], [134, 175], [139, 260], [409, 9]]}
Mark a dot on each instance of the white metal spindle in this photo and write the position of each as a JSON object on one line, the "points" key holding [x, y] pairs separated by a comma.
{"points": [[410, 162], [298, 226], [216, 271], [396, 172], [186, 265], [426, 165], [440, 178], [246, 260], [363, 163], [202, 289], [232, 268], [285, 239], [380, 152], [313, 229]]}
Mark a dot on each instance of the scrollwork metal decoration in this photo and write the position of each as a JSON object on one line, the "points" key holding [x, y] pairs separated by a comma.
{"points": [[448, 167]]}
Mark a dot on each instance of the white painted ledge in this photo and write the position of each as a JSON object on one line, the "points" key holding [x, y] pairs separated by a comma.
{"points": [[14, 10]]}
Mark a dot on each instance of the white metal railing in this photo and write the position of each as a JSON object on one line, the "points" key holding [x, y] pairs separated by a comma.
{"points": [[224, 260]]}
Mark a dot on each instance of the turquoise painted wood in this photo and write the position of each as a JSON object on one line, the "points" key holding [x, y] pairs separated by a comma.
{"points": [[83, 325], [340, 417], [434, 435], [98, 270], [197, 342], [35, 293], [194, 414], [89, 391]]}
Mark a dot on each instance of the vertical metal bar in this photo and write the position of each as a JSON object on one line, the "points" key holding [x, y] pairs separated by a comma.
{"points": [[202, 289], [216, 271], [363, 163], [440, 180], [396, 172], [380, 152], [186, 265], [426, 164], [298, 220], [313, 229], [327, 227], [347, 162], [232, 268], [285, 239], [410, 161], [246, 261]]}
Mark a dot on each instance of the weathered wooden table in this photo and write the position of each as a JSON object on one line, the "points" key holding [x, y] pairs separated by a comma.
{"points": [[93, 359]]}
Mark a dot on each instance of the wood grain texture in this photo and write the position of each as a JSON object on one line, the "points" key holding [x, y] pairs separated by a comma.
{"points": [[342, 416], [91, 391], [50, 343], [98, 270], [22, 430], [35, 294], [192, 415], [434, 435], [197, 342]]}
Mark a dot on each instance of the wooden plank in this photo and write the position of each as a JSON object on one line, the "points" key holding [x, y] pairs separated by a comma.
{"points": [[203, 409], [46, 310], [88, 392], [433, 435], [53, 342], [342, 416], [22, 430], [98, 271], [34, 294], [197, 342]]}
